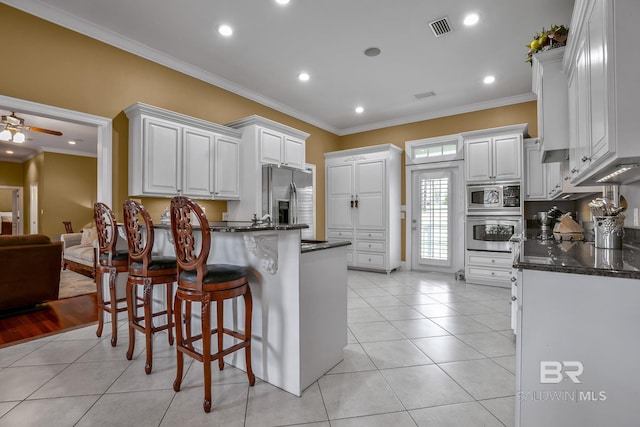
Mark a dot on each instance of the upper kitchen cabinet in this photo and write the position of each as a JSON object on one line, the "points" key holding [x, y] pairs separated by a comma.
{"points": [[602, 66], [363, 204], [281, 149], [263, 142], [494, 154], [171, 154], [549, 83]]}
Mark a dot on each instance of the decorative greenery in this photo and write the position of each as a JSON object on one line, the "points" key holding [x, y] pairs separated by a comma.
{"points": [[545, 40]]}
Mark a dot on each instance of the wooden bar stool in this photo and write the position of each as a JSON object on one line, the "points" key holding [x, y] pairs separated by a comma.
{"points": [[146, 270], [203, 283], [112, 262]]}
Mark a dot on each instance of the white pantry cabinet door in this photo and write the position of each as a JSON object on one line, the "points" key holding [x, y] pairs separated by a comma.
{"points": [[162, 157], [369, 191], [340, 196], [226, 166]]}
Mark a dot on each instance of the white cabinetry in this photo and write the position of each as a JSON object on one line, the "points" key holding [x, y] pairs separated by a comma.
{"points": [[602, 68], [281, 149], [494, 154], [535, 179], [557, 325], [549, 83], [171, 154], [489, 268], [363, 204], [263, 142], [548, 181]]}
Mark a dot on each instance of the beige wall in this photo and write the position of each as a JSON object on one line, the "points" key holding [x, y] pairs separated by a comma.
{"points": [[70, 190], [62, 68], [10, 175]]}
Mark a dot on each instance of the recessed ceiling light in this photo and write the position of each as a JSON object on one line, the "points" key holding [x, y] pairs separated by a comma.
{"points": [[225, 30], [9, 152], [72, 142], [471, 19], [489, 79], [282, 2], [303, 77], [372, 51], [359, 109]]}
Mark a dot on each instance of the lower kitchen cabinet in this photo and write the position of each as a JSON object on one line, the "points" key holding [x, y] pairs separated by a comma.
{"points": [[577, 350], [489, 268]]}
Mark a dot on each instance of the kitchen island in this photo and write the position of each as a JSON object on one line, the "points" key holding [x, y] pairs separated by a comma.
{"points": [[299, 325], [577, 334]]}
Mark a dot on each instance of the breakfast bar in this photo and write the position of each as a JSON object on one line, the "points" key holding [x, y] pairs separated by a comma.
{"points": [[299, 293]]}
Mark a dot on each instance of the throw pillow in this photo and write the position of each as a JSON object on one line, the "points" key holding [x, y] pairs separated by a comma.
{"points": [[88, 236]]}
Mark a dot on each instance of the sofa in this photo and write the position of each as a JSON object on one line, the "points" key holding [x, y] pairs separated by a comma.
{"points": [[30, 268], [79, 251]]}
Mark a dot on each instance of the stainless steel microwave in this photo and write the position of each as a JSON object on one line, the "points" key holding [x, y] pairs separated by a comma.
{"points": [[494, 199]]}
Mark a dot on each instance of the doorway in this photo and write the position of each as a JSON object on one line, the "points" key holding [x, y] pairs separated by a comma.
{"points": [[104, 134], [437, 217], [14, 194]]}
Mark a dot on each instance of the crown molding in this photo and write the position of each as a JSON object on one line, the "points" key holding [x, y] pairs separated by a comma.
{"points": [[485, 105], [89, 29]]}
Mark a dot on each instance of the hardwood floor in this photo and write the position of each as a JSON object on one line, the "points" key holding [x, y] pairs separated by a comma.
{"points": [[47, 319]]}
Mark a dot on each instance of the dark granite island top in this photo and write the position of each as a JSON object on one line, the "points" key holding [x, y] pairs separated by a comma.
{"points": [[579, 258], [242, 226]]}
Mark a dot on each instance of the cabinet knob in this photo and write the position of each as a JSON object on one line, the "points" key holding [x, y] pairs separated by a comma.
{"points": [[493, 273], [566, 178], [585, 159], [513, 278], [574, 170], [513, 298], [493, 261]]}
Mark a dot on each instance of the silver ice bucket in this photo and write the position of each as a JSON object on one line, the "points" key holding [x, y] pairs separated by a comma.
{"points": [[609, 231]]}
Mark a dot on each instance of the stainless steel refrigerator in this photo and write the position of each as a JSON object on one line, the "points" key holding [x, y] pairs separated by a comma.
{"points": [[287, 195]]}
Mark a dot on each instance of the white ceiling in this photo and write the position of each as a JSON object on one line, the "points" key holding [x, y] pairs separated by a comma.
{"points": [[86, 138], [272, 44]]}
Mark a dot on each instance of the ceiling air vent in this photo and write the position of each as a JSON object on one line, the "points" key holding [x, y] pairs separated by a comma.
{"points": [[424, 95], [440, 26]]}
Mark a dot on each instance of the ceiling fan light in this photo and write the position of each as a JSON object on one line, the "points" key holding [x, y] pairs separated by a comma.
{"points": [[5, 135], [19, 137]]}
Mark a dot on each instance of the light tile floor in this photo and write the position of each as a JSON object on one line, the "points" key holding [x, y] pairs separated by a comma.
{"points": [[424, 350]]}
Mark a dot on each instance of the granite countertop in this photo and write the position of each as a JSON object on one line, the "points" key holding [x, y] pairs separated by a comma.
{"points": [[242, 226], [318, 245], [579, 258]]}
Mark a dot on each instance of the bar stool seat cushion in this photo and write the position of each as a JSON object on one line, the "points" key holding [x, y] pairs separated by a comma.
{"points": [[216, 273], [157, 263]]}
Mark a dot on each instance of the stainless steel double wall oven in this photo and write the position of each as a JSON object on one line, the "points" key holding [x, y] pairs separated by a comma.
{"points": [[494, 214]]}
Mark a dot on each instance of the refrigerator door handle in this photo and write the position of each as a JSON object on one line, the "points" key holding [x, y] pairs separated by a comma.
{"points": [[294, 208]]}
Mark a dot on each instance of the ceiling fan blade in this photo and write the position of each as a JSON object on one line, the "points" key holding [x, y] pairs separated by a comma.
{"points": [[50, 132]]}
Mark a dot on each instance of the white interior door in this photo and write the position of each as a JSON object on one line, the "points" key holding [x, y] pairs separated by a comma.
{"points": [[437, 227], [33, 211]]}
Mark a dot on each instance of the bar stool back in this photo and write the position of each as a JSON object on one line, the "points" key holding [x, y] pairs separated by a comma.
{"points": [[146, 270], [203, 283], [110, 261]]}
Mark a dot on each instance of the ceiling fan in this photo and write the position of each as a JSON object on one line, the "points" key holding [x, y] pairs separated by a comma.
{"points": [[13, 127]]}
